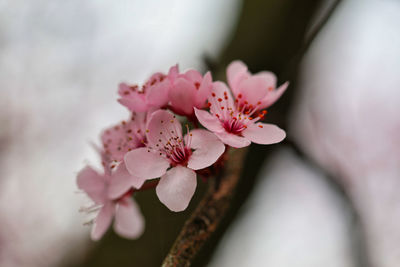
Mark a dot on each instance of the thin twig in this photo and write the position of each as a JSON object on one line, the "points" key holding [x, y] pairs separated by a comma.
{"points": [[208, 213]]}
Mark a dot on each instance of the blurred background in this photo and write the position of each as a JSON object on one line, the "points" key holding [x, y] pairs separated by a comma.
{"points": [[327, 196]]}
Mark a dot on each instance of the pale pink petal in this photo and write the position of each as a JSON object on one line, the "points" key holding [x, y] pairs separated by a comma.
{"points": [[273, 96], [124, 90], [193, 76], [161, 126], [157, 94], [129, 221], [209, 121], [173, 73], [220, 97], [123, 137], [268, 77], [131, 99], [264, 134], [103, 221], [136, 104], [207, 149], [236, 72], [204, 90], [122, 181], [253, 89], [232, 139], [92, 183], [176, 188], [142, 162], [182, 96]]}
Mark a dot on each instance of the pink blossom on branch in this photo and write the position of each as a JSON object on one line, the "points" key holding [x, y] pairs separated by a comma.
{"points": [[151, 144], [189, 90], [260, 87], [129, 221], [235, 122], [167, 148]]}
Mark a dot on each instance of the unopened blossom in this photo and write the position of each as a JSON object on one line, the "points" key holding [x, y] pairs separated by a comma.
{"points": [[129, 221], [117, 141], [168, 148], [236, 122], [152, 95], [253, 89], [189, 90]]}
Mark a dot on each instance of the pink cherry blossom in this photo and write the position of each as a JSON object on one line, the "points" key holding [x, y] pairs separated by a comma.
{"points": [[129, 221], [235, 122], [117, 141], [189, 90], [260, 87], [125, 136], [152, 95], [167, 148]]}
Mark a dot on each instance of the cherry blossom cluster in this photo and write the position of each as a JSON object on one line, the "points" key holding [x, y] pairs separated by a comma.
{"points": [[152, 144]]}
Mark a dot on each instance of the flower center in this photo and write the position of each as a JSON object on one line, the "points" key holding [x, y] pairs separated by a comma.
{"points": [[180, 156], [234, 126]]}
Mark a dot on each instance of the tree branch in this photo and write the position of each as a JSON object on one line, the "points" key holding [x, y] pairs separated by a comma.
{"points": [[208, 214]]}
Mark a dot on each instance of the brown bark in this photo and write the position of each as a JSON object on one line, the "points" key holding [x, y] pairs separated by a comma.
{"points": [[205, 219]]}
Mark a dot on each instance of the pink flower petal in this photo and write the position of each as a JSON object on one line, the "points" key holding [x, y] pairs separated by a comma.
{"points": [[273, 96], [253, 89], [173, 73], [268, 77], [103, 221], [161, 125], [204, 90], [182, 96], [176, 188], [233, 140], [236, 72], [129, 221], [122, 181], [193, 76], [142, 162], [92, 183], [131, 99], [221, 97], [157, 95], [209, 121], [264, 135], [123, 137], [208, 148], [134, 104]]}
